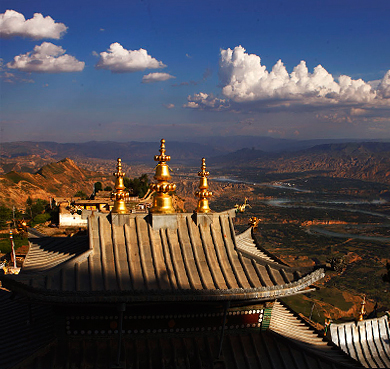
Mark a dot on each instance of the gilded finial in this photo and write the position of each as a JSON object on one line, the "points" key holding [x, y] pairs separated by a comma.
{"points": [[362, 309], [203, 193], [119, 194], [162, 202]]}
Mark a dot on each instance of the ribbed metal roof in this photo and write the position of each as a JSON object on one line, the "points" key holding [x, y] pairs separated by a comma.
{"points": [[289, 325], [367, 341], [132, 261], [25, 328], [240, 350]]}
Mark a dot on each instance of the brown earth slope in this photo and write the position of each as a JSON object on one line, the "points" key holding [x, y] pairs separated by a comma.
{"points": [[60, 179]]}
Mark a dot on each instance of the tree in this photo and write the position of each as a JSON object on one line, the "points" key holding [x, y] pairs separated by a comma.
{"points": [[5, 216], [108, 188], [98, 187], [137, 186], [41, 218], [35, 207]]}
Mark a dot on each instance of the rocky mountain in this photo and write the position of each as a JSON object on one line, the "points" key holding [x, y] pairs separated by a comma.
{"points": [[368, 161], [59, 179]]}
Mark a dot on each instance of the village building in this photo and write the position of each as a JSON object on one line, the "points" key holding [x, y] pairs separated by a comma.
{"points": [[161, 290], [70, 210]]}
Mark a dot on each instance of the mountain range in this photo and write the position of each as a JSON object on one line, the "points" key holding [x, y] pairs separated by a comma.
{"points": [[28, 170]]}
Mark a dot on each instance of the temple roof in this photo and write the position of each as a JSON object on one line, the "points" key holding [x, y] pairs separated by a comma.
{"points": [[129, 259], [25, 328], [288, 324], [251, 350], [41, 343], [367, 341]]}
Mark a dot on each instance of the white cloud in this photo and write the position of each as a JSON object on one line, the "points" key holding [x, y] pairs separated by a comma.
{"points": [[119, 60], [384, 86], [245, 80], [46, 58], [169, 106], [206, 101], [13, 24], [156, 77]]}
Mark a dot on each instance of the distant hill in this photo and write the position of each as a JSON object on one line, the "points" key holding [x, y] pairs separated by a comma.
{"points": [[134, 152], [143, 152], [242, 157], [63, 178], [364, 160], [359, 160], [267, 144]]}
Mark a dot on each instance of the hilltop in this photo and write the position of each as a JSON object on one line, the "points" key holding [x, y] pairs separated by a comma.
{"points": [[62, 178]]}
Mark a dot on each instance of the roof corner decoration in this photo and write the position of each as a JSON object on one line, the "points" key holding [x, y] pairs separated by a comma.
{"points": [[362, 309], [241, 208], [119, 193], [203, 193], [254, 222], [162, 203]]}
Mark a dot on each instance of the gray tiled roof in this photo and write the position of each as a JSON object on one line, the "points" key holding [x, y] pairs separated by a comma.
{"points": [[289, 325], [240, 350], [25, 329], [131, 261], [367, 341]]}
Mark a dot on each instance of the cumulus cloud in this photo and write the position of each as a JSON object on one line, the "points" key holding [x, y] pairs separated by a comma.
{"points": [[169, 106], [46, 58], [13, 24], [119, 60], [156, 77], [205, 101], [245, 80], [384, 86]]}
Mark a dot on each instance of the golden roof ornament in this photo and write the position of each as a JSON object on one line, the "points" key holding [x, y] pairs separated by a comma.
{"points": [[241, 208], [253, 222], [119, 194], [203, 193], [362, 309], [162, 202]]}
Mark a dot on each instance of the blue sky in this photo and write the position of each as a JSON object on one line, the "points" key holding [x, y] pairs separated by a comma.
{"points": [[206, 68]]}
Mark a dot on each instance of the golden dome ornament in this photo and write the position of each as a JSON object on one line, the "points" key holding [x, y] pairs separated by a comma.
{"points": [[203, 193], [119, 194], [162, 202]]}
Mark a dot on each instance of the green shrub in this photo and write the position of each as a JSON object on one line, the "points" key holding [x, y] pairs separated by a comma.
{"points": [[41, 218]]}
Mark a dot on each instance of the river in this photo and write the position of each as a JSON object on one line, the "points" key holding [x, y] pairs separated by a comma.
{"points": [[287, 203]]}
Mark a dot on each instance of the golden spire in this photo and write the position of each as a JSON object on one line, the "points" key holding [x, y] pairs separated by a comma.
{"points": [[203, 193], [162, 202], [362, 309], [119, 193]]}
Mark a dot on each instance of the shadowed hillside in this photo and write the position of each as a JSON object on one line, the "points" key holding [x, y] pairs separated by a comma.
{"points": [[63, 178]]}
